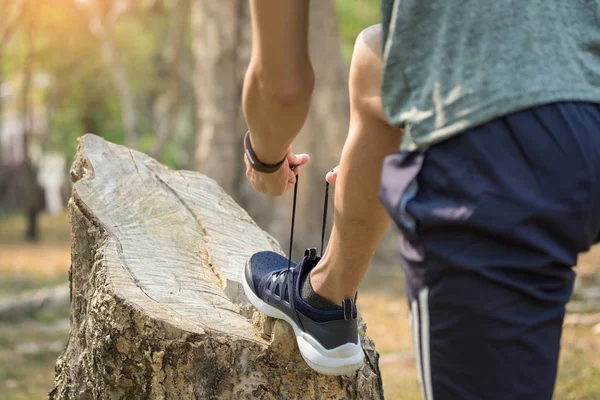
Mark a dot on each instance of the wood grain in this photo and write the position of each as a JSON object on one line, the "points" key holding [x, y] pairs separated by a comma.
{"points": [[157, 308]]}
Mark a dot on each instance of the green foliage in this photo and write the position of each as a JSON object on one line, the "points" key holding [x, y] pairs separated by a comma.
{"points": [[354, 16], [82, 97]]}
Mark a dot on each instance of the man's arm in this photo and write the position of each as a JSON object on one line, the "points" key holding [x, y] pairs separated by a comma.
{"points": [[279, 80]]}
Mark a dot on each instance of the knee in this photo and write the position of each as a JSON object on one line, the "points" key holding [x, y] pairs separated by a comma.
{"points": [[365, 71], [369, 41]]}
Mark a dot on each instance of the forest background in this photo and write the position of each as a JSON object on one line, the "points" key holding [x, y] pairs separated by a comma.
{"points": [[164, 77]]}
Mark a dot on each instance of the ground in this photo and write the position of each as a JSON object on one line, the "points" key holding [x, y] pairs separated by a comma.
{"points": [[29, 347], [384, 308]]}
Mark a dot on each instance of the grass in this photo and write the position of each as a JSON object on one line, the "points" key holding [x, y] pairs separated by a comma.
{"points": [[384, 308], [54, 229], [25, 265], [28, 349], [588, 265], [10, 287], [579, 373]]}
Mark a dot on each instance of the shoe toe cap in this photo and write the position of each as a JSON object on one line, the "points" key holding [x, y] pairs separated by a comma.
{"points": [[261, 264]]}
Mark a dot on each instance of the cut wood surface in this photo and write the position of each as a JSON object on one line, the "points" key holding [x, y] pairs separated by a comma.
{"points": [[157, 307]]}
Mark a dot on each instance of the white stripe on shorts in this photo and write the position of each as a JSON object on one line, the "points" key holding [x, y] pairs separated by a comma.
{"points": [[413, 320], [426, 357]]}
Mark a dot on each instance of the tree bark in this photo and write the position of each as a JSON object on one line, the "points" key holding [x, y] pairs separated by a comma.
{"points": [[157, 308], [222, 44], [326, 128], [221, 47], [168, 100]]}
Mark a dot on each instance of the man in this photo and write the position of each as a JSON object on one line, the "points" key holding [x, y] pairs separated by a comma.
{"points": [[496, 189]]}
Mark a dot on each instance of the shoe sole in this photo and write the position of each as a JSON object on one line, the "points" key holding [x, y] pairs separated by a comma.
{"points": [[341, 360]]}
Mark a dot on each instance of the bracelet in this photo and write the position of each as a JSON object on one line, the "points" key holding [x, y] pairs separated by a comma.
{"points": [[255, 163]]}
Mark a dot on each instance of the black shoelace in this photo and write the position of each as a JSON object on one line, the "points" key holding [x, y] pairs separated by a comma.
{"points": [[294, 218]]}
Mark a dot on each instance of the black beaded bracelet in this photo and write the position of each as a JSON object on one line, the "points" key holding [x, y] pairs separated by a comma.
{"points": [[256, 163]]}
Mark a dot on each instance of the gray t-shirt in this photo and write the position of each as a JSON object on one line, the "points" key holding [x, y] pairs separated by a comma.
{"points": [[453, 64]]}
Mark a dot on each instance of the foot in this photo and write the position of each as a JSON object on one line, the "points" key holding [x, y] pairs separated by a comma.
{"points": [[327, 339]]}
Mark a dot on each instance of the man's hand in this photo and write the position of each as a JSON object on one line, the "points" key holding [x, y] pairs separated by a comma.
{"points": [[276, 183], [331, 176]]}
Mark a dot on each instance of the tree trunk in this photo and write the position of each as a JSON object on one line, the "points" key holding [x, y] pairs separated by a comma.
{"points": [[1, 117], [326, 128], [33, 193], [168, 100], [222, 45], [157, 308], [9, 21], [101, 28]]}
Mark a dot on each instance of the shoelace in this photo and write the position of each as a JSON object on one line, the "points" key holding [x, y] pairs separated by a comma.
{"points": [[294, 218]]}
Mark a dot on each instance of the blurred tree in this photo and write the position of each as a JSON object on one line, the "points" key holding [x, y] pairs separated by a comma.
{"points": [[149, 40], [221, 45], [34, 195], [101, 17], [124, 69], [8, 24], [169, 58], [76, 92]]}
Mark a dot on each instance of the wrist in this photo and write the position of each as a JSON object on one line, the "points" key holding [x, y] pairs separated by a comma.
{"points": [[267, 150], [257, 162]]}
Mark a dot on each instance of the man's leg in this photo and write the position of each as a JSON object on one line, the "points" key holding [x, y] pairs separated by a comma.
{"points": [[499, 215], [326, 333], [359, 220]]}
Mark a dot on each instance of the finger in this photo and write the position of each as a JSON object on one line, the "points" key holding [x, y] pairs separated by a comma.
{"points": [[302, 159], [331, 176], [298, 159]]}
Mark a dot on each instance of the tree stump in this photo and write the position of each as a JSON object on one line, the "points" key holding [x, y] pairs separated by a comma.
{"points": [[157, 306]]}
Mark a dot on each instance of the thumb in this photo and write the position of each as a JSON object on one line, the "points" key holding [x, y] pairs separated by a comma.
{"points": [[331, 176], [299, 159]]}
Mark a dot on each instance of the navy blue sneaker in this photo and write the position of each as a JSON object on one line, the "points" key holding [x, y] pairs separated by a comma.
{"points": [[327, 339]]}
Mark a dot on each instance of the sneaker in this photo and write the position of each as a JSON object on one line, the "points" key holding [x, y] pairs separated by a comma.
{"points": [[327, 339]]}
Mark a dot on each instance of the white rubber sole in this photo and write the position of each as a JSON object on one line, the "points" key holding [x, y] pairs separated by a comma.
{"points": [[341, 360]]}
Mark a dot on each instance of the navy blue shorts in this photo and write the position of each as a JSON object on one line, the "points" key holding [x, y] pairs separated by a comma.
{"points": [[492, 221]]}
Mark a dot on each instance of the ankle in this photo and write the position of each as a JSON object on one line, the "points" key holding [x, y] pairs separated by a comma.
{"points": [[329, 285], [309, 295]]}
